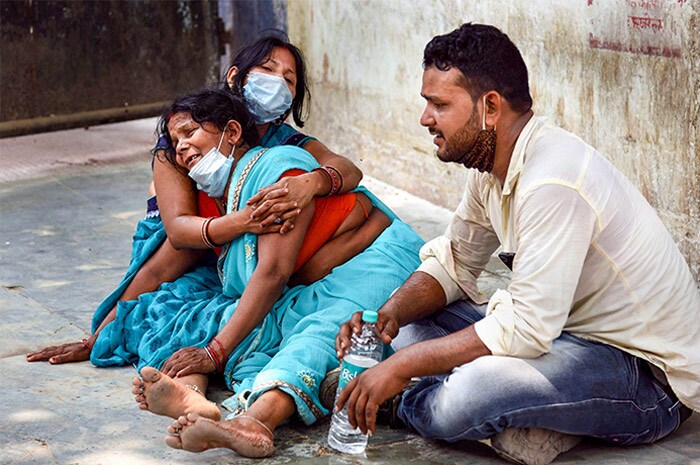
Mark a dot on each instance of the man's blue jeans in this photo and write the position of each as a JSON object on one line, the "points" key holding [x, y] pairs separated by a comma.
{"points": [[580, 387]]}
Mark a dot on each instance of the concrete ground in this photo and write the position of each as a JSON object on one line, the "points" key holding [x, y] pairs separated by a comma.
{"points": [[69, 202]]}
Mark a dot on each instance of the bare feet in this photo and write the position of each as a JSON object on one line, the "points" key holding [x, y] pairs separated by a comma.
{"points": [[242, 435], [162, 395]]}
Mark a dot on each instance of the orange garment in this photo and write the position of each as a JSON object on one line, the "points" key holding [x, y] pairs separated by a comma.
{"points": [[329, 215]]}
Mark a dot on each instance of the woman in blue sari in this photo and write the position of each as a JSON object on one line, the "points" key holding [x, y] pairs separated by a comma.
{"points": [[274, 343], [167, 242]]}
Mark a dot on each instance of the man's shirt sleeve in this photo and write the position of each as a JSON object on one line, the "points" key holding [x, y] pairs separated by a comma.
{"points": [[456, 258], [554, 227]]}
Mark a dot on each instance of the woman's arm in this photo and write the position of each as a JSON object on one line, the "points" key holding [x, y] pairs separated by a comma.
{"points": [[341, 249], [280, 199], [324, 156], [276, 260], [277, 256], [177, 202]]}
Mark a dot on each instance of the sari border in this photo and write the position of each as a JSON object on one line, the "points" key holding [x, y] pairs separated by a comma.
{"points": [[267, 385], [233, 206]]}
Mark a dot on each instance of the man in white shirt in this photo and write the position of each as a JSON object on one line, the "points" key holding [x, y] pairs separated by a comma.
{"points": [[598, 333]]}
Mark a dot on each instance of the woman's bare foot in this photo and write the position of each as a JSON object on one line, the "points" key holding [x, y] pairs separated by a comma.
{"points": [[242, 435], [162, 395]]}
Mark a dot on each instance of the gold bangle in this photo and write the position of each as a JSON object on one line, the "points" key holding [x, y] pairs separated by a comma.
{"points": [[205, 233]]}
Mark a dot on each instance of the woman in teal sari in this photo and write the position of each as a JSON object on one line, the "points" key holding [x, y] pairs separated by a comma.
{"points": [[274, 343], [167, 243]]}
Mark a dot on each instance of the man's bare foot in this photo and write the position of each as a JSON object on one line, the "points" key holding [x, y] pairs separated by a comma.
{"points": [[242, 435], [162, 395]]}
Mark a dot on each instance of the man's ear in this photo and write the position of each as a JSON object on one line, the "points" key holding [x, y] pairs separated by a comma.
{"points": [[234, 132], [493, 107], [230, 75]]}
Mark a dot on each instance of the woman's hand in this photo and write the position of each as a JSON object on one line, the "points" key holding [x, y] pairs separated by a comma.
{"points": [[65, 353], [188, 361], [254, 225], [282, 201]]}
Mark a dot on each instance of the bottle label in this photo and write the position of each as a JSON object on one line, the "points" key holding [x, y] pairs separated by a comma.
{"points": [[349, 370]]}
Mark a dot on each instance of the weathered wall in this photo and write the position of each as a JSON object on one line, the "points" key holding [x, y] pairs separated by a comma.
{"points": [[623, 75], [70, 57]]}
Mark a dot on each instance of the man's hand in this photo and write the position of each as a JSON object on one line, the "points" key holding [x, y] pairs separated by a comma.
{"points": [[366, 392], [387, 326], [188, 361]]}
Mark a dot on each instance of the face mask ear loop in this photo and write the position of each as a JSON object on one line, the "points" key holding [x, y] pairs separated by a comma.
{"points": [[218, 149]]}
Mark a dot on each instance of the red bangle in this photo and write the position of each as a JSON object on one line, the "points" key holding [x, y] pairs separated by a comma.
{"points": [[214, 358], [338, 175], [217, 360], [328, 175], [86, 344], [221, 347]]}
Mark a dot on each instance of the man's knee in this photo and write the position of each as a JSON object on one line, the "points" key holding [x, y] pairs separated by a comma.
{"points": [[480, 385], [467, 403]]}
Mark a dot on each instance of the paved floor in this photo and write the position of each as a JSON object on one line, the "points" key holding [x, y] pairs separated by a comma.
{"points": [[69, 202]]}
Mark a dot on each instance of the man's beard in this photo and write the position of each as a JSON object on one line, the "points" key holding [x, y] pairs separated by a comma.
{"points": [[481, 149]]}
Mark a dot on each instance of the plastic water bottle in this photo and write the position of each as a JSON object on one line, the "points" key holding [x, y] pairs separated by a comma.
{"points": [[365, 350]]}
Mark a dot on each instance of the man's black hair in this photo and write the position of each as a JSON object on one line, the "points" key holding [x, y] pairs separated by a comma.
{"points": [[216, 106], [257, 53], [487, 59]]}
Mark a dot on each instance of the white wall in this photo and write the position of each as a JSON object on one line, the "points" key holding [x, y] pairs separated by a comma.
{"points": [[636, 99]]}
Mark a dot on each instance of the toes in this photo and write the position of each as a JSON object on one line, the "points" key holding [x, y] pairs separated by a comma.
{"points": [[174, 430], [182, 421], [140, 399], [137, 390], [173, 441], [143, 406], [150, 374], [192, 417], [137, 381]]}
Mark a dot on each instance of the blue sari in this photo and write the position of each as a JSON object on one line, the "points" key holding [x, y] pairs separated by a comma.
{"points": [[293, 347]]}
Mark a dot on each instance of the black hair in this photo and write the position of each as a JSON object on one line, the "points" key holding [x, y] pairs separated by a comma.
{"points": [[487, 59], [216, 106], [257, 53]]}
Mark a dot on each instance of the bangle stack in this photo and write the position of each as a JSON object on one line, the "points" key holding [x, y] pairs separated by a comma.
{"points": [[335, 179], [216, 359], [205, 233], [86, 344]]}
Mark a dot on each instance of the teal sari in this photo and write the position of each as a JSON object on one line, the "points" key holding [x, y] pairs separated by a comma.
{"points": [[150, 232], [293, 347]]}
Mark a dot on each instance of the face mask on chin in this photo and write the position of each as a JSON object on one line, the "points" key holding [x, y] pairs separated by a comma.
{"points": [[211, 173], [483, 151], [267, 97]]}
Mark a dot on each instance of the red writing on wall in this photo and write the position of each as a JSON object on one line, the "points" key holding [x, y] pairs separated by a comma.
{"points": [[645, 23]]}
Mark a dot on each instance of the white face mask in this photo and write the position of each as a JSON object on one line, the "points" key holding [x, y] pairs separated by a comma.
{"points": [[267, 96], [212, 171]]}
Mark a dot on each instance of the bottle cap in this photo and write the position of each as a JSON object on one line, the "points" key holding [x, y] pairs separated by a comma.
{"points": [[370, 316]]}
